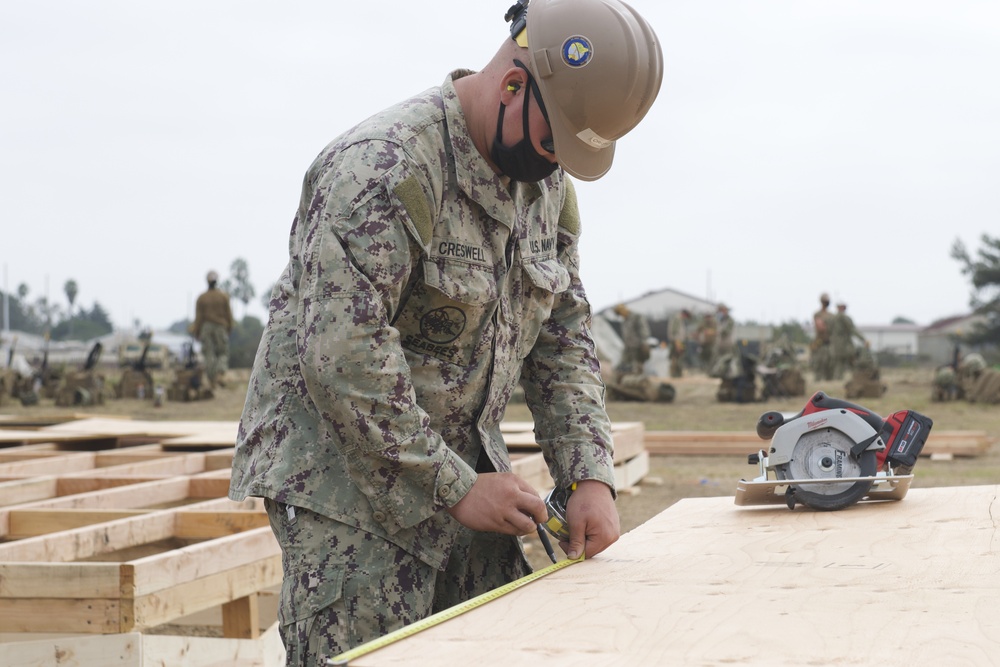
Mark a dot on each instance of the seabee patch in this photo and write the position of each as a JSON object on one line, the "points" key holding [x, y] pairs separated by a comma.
{"points": [[442, 325], [577, 51]]}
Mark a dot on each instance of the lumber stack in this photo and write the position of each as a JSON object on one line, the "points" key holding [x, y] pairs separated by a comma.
{"points": [[939, 444], [630, 458], [109, 530]]}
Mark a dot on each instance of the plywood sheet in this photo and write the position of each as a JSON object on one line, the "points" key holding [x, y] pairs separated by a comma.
{"points": [[913, 582]]}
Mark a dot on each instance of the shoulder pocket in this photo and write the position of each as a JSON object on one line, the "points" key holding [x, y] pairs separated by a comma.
{"points": [[547, 274]]}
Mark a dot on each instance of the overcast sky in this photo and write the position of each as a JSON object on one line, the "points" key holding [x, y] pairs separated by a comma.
{"points": [[796, 146]]}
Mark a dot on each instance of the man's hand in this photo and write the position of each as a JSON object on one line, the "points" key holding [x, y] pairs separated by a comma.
{"points": [[500, 502], [592, 518]]}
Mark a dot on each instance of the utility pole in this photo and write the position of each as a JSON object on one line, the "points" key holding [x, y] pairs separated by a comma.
{"points": [[6, 302]]}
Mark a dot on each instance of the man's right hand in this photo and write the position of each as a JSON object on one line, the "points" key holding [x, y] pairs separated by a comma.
{"points": [[500, 502]]}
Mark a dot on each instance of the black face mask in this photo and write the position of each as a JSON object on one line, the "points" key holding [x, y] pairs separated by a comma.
{"points": [[520, 162]]}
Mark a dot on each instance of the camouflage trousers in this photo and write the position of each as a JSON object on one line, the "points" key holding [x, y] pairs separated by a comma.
{"points": [[343, 586], [215, 348], [823, 363]]}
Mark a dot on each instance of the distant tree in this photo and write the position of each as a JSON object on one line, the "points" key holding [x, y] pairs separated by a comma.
{"points": [[984, 271], [48, 312], [244, 341], [238, 284], [23, 317], [792, 330], [100, 317], [899, 319], [84, 325], [180, 327], [265, 299], [22, 291], [71, 289]]}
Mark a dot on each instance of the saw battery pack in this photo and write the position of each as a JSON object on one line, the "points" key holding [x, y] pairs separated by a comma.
{"points": [[904, 434]]}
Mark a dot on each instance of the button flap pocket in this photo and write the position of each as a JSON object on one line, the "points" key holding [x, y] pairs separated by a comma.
{"points": [[547, 274], [304, 594]]}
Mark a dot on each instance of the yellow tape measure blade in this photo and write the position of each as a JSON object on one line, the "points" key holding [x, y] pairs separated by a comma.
{"points": [[444, 615]]}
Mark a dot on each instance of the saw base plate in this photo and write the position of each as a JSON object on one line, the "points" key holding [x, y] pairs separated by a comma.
{"points": [[772, 491]]}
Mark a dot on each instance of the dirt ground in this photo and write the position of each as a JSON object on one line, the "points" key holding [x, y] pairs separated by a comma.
{"points": [[695, 408]]}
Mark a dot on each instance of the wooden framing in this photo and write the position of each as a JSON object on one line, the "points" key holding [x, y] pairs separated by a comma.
{"points": [[64, 582], [111, 527], [740, 443], [628, 438]]}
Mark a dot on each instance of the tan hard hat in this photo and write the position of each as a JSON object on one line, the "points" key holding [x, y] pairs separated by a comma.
{"points": [[212, 277], [599, 66]]}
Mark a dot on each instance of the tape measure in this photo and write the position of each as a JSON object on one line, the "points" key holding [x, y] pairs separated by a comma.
{"points": [[449, 613]]}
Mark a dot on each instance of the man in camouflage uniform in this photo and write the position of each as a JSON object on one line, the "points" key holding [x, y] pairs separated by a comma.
{"points": [[842, 335], [434, 265], [820, 350], [706, 340], [677, 335], [213, 321], [725, 345], [635, 339]]}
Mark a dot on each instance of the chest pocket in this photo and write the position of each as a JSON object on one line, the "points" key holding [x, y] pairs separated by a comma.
{"points": [[448, 312], [543, 280]]}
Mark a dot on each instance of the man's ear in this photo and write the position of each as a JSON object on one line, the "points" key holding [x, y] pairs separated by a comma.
{"points": [[512, 83]]}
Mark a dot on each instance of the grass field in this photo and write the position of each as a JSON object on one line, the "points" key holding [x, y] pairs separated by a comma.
{"points": [[694, 409]]}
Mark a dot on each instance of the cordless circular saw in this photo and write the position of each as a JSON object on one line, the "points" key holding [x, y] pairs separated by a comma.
{"points": [[833, 454]]}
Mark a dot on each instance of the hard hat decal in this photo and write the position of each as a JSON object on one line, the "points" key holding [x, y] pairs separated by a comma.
{"points": [[588, 136], [577, 51]]}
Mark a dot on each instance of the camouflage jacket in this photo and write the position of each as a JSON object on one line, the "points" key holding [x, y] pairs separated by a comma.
{"points": [[212, 306], [419, 291], [635, 330]]}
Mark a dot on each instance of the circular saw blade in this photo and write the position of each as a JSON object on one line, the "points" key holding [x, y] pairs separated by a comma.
{"points": [[826, 454]]}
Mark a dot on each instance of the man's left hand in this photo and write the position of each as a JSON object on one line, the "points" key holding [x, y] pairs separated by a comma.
{"points": [[592, 518]]}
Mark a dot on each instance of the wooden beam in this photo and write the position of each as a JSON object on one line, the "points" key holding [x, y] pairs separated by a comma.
{"points": [[90, 541], [58, 580], [628, 438], [267, 651], [163, 571], [208, 524], [189, 596], [241, 618], [26, 490], [122, 650], [94, 615], [631, 472], [49, 465], [33, 522]]}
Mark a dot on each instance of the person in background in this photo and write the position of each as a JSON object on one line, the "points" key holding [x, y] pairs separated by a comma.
{"points": [[820, 349], [213, 322], [635, 339], [677, 337]]}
